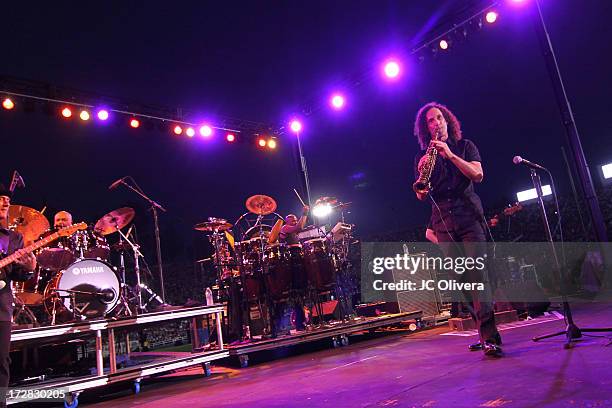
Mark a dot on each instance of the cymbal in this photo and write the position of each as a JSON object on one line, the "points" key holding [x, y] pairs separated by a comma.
{"points": [[213, 224], [326, 200], [114, 220], [261, 204], [29, 222]]}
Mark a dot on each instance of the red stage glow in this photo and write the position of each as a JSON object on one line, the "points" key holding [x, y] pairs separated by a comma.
{"points": [[134, 123], [491, 17], [8, 104], [67, 113], [190, 132], [84, 115], [230, 137], [261, 142], [178, 130]]}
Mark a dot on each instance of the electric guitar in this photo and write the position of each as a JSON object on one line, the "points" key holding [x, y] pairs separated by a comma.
{"points": [[64, 232]]}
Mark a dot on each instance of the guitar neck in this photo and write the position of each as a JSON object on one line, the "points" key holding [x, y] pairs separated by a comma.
{"points": [[30, 248]]}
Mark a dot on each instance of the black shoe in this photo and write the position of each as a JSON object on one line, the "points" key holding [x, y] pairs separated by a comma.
{"points": [[475, 346], [491, 350]]}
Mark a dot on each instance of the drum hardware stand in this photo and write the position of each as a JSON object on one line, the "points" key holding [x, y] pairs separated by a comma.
{"points": [[22, 308], [139, 285], [154, 207]]}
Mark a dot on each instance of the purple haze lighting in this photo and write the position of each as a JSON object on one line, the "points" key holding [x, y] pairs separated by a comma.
{"points": [[296, 126], [392, 69], [206, 131], [102, 114], [337, 101]]}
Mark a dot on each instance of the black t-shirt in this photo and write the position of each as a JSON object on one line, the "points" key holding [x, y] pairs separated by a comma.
{"points": [[450, 188]]}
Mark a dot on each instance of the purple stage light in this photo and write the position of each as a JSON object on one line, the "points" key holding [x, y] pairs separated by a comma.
{"points": [[444, 44], [392, 69], [190, 132], [337, 101], [491, 17], [296, 126], [102, 114], [205, 131]]}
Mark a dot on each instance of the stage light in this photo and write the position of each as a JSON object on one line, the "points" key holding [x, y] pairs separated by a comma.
{"points": [[444, 44], [67, 113], [8, 104], [296, 126], [392, 69], [607, 170], [102, 114], [134, 123], [527, 195], [322, 210], [190, 132], [230, 137], [205, 130], [261, 142], [84, 115], [272, 144], [491, 17], [178, 130], [337, 101]]}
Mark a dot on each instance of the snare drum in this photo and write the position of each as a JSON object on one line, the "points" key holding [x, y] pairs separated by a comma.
{"points": [[90, 286]]}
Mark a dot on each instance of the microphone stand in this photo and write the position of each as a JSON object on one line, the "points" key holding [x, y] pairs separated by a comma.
{"points": [[154, 207], [571, 332]]}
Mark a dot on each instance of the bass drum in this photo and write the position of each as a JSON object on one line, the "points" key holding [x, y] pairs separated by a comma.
{"points": [[92, 283]]}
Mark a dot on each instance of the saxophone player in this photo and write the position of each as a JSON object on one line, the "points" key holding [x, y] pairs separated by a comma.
{"points": [[446, 169]]}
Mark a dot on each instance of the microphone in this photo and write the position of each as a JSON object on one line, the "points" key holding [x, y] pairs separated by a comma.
{"points": [[520, 160], [116, 183]]}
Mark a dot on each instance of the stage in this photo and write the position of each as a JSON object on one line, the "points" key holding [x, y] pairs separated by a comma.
{"points": [[424, 368]]}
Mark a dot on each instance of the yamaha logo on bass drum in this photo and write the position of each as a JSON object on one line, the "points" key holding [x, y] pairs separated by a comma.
{"points": [[88, 270]]}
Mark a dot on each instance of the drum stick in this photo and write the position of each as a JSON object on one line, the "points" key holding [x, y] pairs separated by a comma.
{"points": [[300, 198], [43, 210]]}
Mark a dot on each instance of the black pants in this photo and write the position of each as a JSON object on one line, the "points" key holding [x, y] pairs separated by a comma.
{"points": [[466, 238], [5, 361]]}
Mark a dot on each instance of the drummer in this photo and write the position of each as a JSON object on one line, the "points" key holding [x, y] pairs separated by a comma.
{"points": [[293, 226], [62, 219]]}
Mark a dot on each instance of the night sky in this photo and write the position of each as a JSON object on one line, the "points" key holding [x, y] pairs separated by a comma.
{"points": [[263, 61]]}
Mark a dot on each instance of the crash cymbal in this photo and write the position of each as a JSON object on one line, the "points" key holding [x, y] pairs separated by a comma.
{"points": [[114, 220], [261, 204], [29, 222], [213, 224]]}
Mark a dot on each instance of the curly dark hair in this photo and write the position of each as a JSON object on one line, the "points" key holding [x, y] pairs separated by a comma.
{"points": [[420, 124]]}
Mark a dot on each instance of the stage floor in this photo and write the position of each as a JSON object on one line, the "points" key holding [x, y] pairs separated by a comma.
{"points": [[427, 368]]}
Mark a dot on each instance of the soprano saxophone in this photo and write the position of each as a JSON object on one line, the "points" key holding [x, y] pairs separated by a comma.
{"points": [[423, 184]]}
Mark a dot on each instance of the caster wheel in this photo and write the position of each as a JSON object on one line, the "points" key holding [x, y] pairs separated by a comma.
{"points": [[136, 387], [244, 361], [207, 369], [344, 340]]}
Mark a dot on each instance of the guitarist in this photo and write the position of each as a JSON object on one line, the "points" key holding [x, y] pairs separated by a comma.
{"points": [[21, 270]]}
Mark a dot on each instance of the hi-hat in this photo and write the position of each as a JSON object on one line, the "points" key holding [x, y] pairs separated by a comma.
{"points": [[213, 224], [114, 220], [29, 222], [261, 204]]}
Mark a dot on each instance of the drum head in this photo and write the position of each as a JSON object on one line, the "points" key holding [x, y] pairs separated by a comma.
{"points": [[93, 284]]}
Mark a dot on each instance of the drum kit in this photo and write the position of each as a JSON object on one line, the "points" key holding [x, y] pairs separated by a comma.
{"points": [[266, 273], [74, 278]]}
